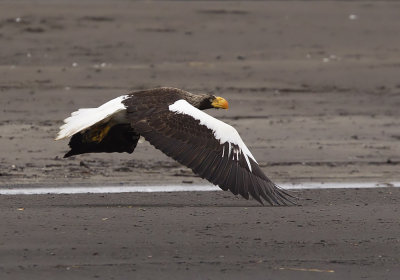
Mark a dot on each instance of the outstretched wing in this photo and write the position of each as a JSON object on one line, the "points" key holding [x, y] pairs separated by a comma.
{"points": [[211, 148]]}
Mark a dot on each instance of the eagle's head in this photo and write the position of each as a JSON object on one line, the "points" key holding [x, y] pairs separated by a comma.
{"points": [[209, 101]]}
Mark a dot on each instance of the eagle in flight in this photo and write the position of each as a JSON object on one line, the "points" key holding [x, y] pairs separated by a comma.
{"points": [[173, 121]]}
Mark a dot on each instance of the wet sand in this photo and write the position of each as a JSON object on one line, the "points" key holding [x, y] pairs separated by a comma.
{"points": [[333, 234], [314, 91]]}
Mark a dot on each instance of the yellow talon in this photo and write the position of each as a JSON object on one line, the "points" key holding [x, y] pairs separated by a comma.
{"points": [[97, 134]]}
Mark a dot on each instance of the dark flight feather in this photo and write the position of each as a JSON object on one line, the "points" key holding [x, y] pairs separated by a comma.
{"points": [[181, 137]]}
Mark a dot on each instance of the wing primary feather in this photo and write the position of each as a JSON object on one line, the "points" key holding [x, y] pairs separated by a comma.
{"points": [[246, 182], [216, 175], [197, 166], [223, 170], [264, 191], [216, 162], [235, 187], [205, 166], [254, 192], [271, 188], [242, 187], [240, 180], [187, 158], [213, 164], [287, 197], [183, 153], [283, 196], [220, 171], [196, 155], [231, 178]]}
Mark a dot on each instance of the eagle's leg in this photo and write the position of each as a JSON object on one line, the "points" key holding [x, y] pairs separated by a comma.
{"points": [[97, 133]]}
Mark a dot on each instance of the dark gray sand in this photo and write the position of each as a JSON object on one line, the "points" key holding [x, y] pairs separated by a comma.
{"points": [[314, 94], [314, 91], [334, 234]]}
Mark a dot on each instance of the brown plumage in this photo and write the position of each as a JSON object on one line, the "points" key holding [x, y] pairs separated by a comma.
{"points": [[170, 120]]}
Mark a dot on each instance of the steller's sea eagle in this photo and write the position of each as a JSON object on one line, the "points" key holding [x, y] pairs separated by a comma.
{"points": [[172, 120]]}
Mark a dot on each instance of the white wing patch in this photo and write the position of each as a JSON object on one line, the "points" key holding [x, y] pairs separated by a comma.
{"points": [[222, 131], [86, 117]]}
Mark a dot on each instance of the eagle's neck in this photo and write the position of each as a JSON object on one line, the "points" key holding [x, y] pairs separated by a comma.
{"points": [[201, 102]]}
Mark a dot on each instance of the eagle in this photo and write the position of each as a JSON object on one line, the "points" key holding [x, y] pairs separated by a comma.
{"points": [[173, 121]]}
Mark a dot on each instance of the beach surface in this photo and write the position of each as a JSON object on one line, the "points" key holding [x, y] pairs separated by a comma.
{"points": [[332, 234], [314, 91]]}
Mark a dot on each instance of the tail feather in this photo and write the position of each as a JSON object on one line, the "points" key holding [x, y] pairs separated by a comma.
{"points": [[86, 117]]}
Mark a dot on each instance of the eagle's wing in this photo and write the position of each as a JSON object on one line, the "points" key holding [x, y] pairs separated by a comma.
{"points": [[211, 148]]}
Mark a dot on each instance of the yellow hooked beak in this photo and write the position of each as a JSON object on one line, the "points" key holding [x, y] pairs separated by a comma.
{"points": [[220, 102]]}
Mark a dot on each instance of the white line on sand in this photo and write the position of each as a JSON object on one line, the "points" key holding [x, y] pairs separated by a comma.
{"points": [[181, 188]]}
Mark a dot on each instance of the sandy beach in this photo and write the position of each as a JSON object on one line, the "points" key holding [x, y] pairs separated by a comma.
{"points": [[314, 91], [333, 234]]}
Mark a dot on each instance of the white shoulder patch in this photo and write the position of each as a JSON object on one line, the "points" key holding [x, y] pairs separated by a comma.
{"points": [[222, 131], [86, 117]]}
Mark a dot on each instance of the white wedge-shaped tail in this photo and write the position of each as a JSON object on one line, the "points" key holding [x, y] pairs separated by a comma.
{"points": [[86, 117]]}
